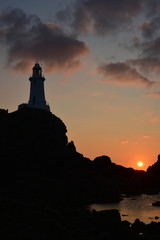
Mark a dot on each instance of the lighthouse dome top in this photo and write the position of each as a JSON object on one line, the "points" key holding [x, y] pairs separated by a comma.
{"points": [[37, 66], [37, 70]]}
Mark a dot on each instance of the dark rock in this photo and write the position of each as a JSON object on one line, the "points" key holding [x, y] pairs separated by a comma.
{"points": [[3, 112], [34, 142], [126, 224], [157, 204], [154, 176], [102, 161], [35, 154], [138, 226], [107, 219], [71, 146], [153, 228]]}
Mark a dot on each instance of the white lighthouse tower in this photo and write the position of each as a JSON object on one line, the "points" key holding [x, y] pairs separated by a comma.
{"points": [[37, 95]]}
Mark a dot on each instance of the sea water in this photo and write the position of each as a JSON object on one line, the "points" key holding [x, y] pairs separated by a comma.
{"points": [[134, 207]]}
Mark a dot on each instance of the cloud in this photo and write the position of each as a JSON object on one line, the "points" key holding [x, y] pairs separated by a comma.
{"points": [[148, 60], [151, 48], [147, 29], [153, 94], [100, 16], [26, 39], [147, 65], [96, 94], [154, 119], [109, 16], [148, 46], [150, 28], [146, 137], [124, 142], [123, 73], [150, 13], [152, 7], [148, 40]]}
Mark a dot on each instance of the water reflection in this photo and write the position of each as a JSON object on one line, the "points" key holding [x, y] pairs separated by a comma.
{"points": [[131, 208]]}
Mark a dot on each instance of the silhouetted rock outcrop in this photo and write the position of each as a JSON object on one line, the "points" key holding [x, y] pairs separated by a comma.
{"points": [[37, 135], [102, 162], [44, 182], [37, 159], [153, 174], [154, 169]]}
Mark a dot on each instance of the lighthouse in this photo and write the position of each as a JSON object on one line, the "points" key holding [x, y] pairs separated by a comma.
{"points": [[37, 93]]}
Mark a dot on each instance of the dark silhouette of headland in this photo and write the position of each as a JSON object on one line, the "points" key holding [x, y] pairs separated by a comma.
{"points": [[45, 183], [34, 146]]}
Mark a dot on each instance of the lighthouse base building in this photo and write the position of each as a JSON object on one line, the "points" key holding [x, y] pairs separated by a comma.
{"points": [[37, 94]]}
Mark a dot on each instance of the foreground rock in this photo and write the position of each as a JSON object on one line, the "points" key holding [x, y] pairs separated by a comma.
{"points": [[42, 220]]}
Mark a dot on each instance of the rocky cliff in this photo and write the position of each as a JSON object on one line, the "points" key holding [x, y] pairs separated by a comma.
{"points": [[37, 161]]}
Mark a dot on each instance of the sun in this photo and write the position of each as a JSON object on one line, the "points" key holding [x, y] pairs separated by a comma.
{"points": [[140, 164]]}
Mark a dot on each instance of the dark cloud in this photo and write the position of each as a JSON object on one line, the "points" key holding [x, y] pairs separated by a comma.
{"points": [[147, 62], [150, 28], [101, 16], [147, 42], [108, 16], [132, 71], [146, 65], [148, 46], [147, 29], [148, 54], [27, 39], [151, 48], [123, 73], [152, 8]]}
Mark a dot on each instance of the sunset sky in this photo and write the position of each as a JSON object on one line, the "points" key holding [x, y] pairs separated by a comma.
{"points": [[101, 61]]}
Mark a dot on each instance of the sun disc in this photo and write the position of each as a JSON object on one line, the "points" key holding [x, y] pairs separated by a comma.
{"points": [[140, 164]]}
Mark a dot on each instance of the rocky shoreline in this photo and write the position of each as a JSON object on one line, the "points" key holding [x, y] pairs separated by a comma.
{"points": [[23, 220]]}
